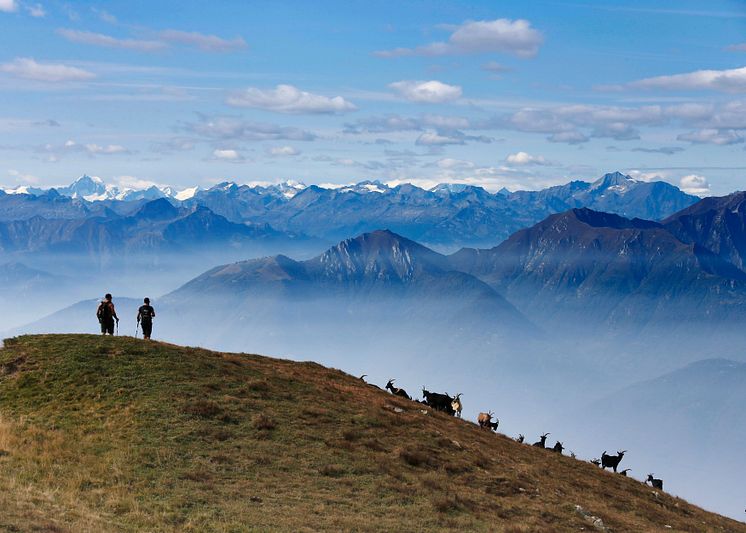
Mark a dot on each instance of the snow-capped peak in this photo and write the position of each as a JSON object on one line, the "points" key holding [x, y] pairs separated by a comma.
{"points": [[184, 194]]}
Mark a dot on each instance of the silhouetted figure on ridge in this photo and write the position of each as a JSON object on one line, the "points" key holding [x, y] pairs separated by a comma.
{"points": [[107, 314], [145, 316]]}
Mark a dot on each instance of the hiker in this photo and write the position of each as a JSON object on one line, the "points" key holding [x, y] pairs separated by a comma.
{"points": [[145, 316], [107, 314]]}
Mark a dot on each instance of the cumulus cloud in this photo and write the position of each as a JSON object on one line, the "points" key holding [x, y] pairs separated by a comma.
{"points": [[226, 154], [206, 43], [28, 69], [8, 6], [99, 39], [695, 184], [482, 36], [729, 80], [289, 99], [235, 128], [524, 158], [712, 136], [283, 151], [448, 163], [429, 92]]}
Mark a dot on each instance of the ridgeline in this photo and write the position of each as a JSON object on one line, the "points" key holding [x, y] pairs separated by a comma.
{"points": [[118, 434]]}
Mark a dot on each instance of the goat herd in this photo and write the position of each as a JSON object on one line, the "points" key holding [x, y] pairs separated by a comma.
{"points": [[452, 405]]}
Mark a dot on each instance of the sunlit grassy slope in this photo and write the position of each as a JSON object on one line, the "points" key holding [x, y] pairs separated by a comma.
{"points": [[117, 434]]}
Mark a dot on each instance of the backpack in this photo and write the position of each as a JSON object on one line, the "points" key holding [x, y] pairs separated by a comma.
{"points": [[104, 312]]}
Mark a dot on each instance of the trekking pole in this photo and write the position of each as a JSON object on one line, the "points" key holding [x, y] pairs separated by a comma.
{"points": [[137, 328]]}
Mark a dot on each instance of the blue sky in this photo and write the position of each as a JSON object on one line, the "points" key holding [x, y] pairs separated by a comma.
{"points": [[517, 94]]}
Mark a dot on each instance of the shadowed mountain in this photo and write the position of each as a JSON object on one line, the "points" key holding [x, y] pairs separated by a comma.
{"points": [[372, 283], [716, 223], [607, 268]]}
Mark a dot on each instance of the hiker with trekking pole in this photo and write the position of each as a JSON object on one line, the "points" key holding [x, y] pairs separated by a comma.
{"points": [[145, 316], [107, 315]]}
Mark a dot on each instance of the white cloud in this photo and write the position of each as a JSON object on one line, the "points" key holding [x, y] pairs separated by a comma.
{"points": [[109, 149], [36, 10], [524, 158], [730, 80], [741, 47], [648, 176], [430, 92], [54, 152], [28, 69], [226, 154], [8, 6], [99, 39], [483, 36], [448, 163], [712, 136], [283, 151], [206, 43], [133, 182], [431, 138], [695, 184], [20, 177], [289, 99]]}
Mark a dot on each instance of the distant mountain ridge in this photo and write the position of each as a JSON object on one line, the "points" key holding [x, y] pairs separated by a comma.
{"points": [[447, 216]]}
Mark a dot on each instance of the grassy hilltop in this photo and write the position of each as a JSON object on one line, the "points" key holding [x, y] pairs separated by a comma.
{"points": [[116, 434]]}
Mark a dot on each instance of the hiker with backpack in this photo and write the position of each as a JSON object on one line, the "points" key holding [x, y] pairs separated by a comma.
{"points": [[145, 316], [107, 314]]}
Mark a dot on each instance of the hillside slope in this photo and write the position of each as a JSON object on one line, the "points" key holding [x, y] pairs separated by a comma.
{"points": [[115, 434]]}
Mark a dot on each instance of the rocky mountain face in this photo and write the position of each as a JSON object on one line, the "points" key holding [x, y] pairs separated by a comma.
{"points": [[370, 285], [716, 223], [603, 267]]}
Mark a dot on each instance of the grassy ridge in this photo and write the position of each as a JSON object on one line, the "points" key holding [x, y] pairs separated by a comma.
{"points": [[116, 434]]}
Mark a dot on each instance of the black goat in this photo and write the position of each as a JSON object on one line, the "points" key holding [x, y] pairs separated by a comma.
{"points": [[439, 402], [596, 462], [656, 483], [542, 441], [520, 438], [396, 391], [611, 461], [558, 447], [624, 472]]}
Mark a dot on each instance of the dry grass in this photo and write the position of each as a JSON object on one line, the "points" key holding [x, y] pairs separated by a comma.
{"points": [[120, 435]]}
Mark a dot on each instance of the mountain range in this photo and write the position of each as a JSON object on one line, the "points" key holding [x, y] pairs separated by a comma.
{"points": [[447, 216]]}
